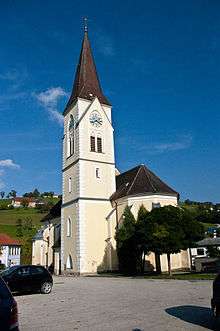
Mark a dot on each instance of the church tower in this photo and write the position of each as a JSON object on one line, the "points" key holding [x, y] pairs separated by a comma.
{"points": [[88, 171]]}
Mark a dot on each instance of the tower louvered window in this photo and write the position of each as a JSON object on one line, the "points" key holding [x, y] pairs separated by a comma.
{"points": [[92, 144], [99, 145], [70, 137]]}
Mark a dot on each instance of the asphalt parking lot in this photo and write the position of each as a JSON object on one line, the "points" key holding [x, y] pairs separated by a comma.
{"points": [[98, 303]]}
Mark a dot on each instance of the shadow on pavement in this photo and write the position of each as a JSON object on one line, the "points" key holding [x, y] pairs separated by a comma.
{"points": [[197, 315], [18, 294]]}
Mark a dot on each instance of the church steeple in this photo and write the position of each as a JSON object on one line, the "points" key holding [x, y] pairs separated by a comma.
{"points": [[86, 84]]}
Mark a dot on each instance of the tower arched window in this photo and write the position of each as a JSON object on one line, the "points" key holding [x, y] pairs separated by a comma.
{"points": [[99, 144], [92, 143], [70, 137], [68, 227]]}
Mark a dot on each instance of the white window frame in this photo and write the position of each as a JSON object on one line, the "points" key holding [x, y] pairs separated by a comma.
{"points": [[68, 227], [70, 138], [97, 173], [70, 184]]}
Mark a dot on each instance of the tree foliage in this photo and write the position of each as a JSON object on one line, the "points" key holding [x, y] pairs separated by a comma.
{"points": [[126, 245], [2, 193], [12, 194], [165, 230], [25, 230]]}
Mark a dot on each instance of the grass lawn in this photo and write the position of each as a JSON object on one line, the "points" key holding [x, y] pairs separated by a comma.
{"points": [[9, 217], [8, 229], [184, 276], [179, 276]]}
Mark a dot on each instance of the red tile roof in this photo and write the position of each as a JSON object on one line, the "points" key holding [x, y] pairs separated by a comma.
{"points": [[5, 240], [20, 199]]}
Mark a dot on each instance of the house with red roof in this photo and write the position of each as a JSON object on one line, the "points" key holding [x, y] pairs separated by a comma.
{"points": [[29, 202], [10, 250]]}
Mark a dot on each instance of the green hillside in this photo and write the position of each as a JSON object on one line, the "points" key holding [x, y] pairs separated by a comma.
{"points": [[8, 217], [8, 229]]}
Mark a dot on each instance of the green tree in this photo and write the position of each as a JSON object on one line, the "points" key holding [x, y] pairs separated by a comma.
{"points": [[213, 251], [25, 230], [142, 241], [12, 194], [126, 243], [2, 193], [25, 202], [173, 230], [35, 193]]}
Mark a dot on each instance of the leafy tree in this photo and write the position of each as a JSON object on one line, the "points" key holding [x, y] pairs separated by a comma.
{"points": [[143, 243], [174, 230], [4, 205], [36, 193], [44, 208], [12, 194], [19, 231], [126, 245], [213, 251], [165, 230], [25, 230], [47, 194], [25, 202], [2, 193]]}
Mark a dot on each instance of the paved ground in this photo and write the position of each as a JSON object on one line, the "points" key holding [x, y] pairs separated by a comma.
{"points": [[94, 303]]}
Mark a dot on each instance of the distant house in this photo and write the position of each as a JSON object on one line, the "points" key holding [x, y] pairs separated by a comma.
{"points": [[201, 252], [10, 250], [29, 202], [47, 241], [56, 196]]}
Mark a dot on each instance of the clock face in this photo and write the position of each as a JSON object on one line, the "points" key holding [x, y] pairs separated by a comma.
{"points": [[95, 119]]}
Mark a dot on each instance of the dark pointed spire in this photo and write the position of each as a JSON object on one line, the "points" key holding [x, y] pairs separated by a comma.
{"points": [[86, 84]]}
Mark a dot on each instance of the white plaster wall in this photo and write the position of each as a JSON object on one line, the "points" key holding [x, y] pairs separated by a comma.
{"points": [[87, 244]]}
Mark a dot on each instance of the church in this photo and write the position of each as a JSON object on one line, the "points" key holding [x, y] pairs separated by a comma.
{"points": [[78, 235]]}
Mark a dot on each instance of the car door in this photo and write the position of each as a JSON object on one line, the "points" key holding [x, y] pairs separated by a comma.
{"points": [[21, 279], [37, 275]]}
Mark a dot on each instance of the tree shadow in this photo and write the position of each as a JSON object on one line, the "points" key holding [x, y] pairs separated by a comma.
{"points": [[197, 315], [109, 254]]}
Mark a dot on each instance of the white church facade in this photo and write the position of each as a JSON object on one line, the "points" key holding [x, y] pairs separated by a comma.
{"points": [[94, 194]]}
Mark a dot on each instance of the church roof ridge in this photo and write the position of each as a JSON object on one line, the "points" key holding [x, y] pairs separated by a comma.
{"points": [[140, 180], [86, 83]]}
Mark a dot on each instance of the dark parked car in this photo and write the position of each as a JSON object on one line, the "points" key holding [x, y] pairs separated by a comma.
{"points": [[215, 302], [28, 278], [8, 309]]}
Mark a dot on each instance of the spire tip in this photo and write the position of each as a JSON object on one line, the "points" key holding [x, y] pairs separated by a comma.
{"points": [[85, 24]]}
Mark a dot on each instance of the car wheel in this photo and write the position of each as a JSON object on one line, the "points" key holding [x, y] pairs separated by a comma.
{"points": [[46, 288]]}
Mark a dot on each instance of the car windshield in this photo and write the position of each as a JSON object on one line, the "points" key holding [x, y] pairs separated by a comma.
{"points": [[8, 271]]}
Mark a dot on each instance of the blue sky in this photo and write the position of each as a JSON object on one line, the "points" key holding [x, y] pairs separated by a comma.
{"points": [[159, 65]]}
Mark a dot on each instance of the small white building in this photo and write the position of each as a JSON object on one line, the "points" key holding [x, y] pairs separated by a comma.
{"points": [[46, 242], [201, 251], [29, 202], [10, 250]]}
